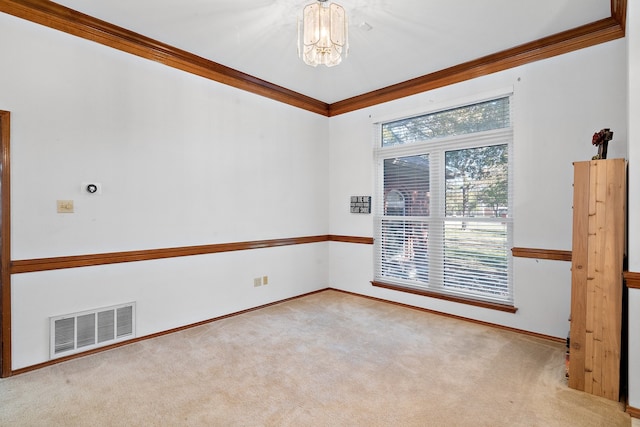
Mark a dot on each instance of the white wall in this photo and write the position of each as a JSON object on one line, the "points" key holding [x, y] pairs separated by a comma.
{"points": [[182, 161], [559, 104], [186, 161], [633, 36]]}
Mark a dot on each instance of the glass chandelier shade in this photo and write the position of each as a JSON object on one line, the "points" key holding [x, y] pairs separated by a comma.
{"points": [[322, 34]]}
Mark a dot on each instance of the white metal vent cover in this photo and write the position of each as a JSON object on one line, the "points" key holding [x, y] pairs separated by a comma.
{"points": [[82, 331]]}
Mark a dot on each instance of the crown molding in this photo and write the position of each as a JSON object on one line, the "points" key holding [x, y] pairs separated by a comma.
{"points": [[61, 18], [72, 22], [567, 41]]}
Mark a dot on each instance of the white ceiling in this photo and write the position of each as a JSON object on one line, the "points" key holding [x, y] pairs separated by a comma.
{"points": [[407, 39]]}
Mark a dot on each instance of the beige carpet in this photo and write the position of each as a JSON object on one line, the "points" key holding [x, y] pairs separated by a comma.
{"points": [[327, 359]]}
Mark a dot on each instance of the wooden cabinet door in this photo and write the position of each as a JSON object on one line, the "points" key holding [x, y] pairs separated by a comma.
{"points": [[598, 249]]}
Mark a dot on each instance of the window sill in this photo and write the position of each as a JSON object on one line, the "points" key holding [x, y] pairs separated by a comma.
{"points": [[461, 300]]}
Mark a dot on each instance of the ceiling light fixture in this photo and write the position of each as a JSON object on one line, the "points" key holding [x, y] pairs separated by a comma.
{"points": [[322, 34]]}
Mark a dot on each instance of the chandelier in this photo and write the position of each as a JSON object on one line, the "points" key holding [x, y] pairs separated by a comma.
{"points": [[322, 34]]}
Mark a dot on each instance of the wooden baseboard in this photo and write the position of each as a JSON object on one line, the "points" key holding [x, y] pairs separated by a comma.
{"points": [[204, 322], [45, 264], [453, 316], [156, 335], [634, 412]]}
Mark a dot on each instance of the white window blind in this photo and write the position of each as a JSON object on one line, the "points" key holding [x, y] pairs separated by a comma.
{"points": [[443, 218]]}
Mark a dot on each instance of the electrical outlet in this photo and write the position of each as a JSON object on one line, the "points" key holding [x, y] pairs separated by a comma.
{"points": [[265, 280], [257, 282]]}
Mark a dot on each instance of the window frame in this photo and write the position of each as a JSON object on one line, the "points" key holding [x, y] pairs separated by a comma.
{"points": [[435, 149]]}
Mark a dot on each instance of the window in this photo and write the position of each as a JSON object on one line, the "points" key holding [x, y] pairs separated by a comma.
{"points": [[443, 221]]}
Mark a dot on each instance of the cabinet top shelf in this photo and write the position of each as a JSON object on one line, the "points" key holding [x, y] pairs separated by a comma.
{"points": [[601, 160]]}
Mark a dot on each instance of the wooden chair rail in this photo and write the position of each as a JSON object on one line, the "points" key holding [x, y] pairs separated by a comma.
{"points": [[56, 263], [632, 279], [550, 254]]}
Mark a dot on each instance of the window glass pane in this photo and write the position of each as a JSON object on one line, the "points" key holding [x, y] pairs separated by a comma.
{"points": [[479, 117], [406, 186], [444, 220], [477, 182], [405, 250], [475, 258]]}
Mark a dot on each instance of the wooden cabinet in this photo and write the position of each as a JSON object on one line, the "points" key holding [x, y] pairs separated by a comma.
{"points": [[599, 222]]}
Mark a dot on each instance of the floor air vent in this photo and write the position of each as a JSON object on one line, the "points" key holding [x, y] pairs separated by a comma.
{"points": [[77, 332]]}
